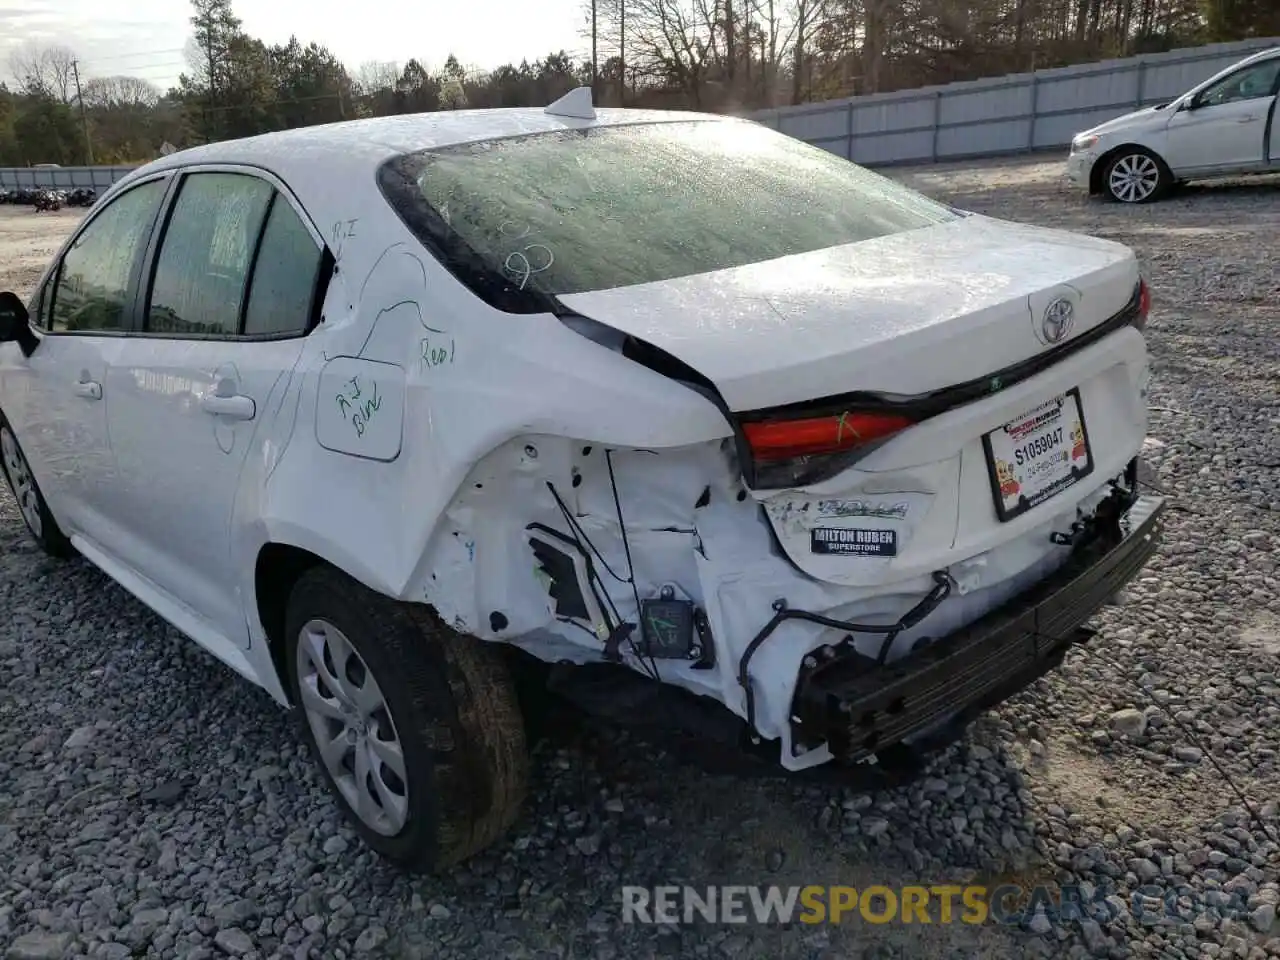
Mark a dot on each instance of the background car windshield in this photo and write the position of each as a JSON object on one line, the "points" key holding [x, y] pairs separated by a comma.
{"points": [[567, 212]]}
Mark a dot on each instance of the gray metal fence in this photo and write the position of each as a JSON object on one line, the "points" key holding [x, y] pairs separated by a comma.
{"points": [[974, 118], [1001, 115], [61, 178]]}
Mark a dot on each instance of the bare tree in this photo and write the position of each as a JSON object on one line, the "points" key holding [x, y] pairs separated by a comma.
{"points": [[44, 71], [672, 43], [120, 92], [804, 16], [374, 75]]}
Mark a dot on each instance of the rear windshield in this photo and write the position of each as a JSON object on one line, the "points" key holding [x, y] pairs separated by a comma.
{"points": [[557, 213]]}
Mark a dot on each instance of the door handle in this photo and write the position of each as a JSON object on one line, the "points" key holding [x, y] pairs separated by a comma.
{"points": [[233, 408], [1246, 120], [89, 390]]}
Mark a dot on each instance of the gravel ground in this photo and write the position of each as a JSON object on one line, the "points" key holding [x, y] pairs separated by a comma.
{"points": [[152, 804]]}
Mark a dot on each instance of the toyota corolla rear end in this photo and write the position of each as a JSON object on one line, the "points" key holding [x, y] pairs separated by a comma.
{"points": [[933, 419]]}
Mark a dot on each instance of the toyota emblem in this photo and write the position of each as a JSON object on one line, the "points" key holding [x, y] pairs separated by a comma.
{"points": [[1057, 320]]}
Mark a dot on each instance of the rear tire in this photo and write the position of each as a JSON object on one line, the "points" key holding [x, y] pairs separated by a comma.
{"points": [[1135, 175], [31, 503], [432, 713]]}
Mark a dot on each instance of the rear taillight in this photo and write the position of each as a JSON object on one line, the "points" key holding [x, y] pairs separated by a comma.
{"points": [[778, 440], [1144, 305]]}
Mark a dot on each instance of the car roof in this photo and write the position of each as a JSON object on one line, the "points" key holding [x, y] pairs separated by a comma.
{"points": [[331, 168], [371, 141], [1260, 55]]}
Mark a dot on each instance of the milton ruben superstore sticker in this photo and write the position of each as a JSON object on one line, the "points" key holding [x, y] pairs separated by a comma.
{"points": [[842, 541]]}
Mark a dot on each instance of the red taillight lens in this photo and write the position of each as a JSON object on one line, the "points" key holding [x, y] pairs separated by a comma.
{"points": [[1144, 304], [812, 436]]}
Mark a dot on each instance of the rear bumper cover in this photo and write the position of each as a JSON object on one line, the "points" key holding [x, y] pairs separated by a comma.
{"points": [[860, 708]]}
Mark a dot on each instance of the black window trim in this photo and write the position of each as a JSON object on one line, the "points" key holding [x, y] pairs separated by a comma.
{"points": [[150, 260], [50, 286], [249, 274]]}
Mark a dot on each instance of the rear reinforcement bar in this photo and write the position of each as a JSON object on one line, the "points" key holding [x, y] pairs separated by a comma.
{"points": [[860, 707]]}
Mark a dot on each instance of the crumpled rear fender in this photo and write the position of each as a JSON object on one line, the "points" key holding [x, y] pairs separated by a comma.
{"points": [[377, 518]]}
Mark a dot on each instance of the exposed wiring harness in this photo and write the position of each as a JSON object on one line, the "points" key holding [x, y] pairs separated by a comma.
{"points": [[620, 631]]}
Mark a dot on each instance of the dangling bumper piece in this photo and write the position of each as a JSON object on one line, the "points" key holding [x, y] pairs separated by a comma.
{"points": [[861, 707]]}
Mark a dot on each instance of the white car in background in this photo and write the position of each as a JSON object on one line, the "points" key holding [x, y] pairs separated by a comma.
{"points": [[726, 431], [1226, 126]]}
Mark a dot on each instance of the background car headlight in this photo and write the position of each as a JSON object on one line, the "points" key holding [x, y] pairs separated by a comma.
{"points": [[1083, 142]]}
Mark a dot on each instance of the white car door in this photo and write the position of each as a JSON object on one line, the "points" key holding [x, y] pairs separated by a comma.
{"points": [[229, 303], [1225, 125], [56, 399]]}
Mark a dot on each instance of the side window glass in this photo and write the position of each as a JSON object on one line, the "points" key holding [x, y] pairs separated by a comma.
{"points": [[204, 257], [93, 280], [1256, 81], [284, 276]]}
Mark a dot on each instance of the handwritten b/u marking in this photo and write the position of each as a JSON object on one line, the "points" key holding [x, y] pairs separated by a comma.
{"points": [[356, 407], [437, 352]]}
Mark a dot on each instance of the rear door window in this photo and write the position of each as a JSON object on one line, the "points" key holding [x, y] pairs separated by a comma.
{"points": [[203, 266], [285, 276]]}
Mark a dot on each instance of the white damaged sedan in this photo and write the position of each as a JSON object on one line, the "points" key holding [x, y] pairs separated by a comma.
{"points": [[726, 432]]}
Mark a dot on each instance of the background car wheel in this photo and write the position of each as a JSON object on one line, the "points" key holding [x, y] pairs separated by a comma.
{"points": [[35, 512], [416, 727], [1136, 176]]}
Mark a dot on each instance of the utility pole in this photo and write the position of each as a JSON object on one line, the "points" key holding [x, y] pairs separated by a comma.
{"points": [[622, 53], [84, 120]]}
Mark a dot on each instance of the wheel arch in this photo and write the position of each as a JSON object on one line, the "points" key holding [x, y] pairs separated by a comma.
{"points": [[278, 567], [1099, 169]]}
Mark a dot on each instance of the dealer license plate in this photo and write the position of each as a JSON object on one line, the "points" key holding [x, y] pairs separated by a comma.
{"points": [[1038, 455]]}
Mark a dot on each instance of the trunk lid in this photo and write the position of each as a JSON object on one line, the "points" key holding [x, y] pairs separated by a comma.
{"points": [[956, 312], [903, 314]]}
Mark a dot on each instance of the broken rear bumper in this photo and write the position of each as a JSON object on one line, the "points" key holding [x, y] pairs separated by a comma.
{"points": [[860, 708]]}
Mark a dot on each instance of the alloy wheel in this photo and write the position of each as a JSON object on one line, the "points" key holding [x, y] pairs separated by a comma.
{"points": [[1134, 178], [20, 479], [353, 728]]}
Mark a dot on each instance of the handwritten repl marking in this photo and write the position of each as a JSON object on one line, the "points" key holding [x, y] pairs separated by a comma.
{"points": [[436, 353], [356, 407], [342, 231]]}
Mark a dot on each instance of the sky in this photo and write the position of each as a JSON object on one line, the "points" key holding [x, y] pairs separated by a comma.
{"points": [[145, 38]]}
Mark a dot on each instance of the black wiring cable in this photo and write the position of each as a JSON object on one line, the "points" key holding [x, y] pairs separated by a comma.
{"points": [[581, 537], [1195, 739], [581, 626], [1226, 495], [579, 532], [1199, 743], [631, 569], [650, 668]]}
